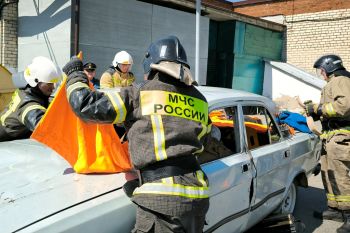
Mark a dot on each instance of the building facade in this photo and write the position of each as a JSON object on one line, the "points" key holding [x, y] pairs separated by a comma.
{"points": [[232, 46], [314, 27]]}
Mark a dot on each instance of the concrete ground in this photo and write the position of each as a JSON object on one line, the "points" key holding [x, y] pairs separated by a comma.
{"points": [[313, 199]]}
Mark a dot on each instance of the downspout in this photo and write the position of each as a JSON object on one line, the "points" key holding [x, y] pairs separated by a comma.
{"points": [[198, 17], [74, 48], [4, 3]]}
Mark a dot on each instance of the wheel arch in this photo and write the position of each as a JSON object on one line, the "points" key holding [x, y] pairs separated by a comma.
{"points": [[301, 180]]}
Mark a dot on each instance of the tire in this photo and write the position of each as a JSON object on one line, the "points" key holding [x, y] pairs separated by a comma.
{"points": [[288, 203]]}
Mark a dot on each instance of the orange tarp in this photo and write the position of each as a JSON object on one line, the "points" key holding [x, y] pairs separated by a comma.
{"points": [[88, 147]]}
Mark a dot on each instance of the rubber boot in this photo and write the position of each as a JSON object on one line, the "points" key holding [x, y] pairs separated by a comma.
{"points": [[330, 214], [345, 228]]}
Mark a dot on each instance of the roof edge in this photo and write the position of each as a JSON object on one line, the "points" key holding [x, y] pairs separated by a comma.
{"points": [[227, 12], [252, 2]]}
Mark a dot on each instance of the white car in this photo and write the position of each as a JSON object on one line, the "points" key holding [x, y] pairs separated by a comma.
{"points": [[253, 168]]}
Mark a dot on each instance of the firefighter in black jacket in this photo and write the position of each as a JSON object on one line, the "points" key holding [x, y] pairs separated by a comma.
{"points": [[167, 121], [29, 104]]}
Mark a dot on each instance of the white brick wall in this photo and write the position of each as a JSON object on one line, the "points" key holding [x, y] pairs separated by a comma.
{"points": [[8, 36], [312, 35]]}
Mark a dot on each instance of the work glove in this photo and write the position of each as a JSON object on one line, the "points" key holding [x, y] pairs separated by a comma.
{"points": [[313, 110], [74, 65]]}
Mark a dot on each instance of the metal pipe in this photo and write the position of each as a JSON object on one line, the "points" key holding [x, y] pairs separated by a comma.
{"points": [[198, 17], [75, 15]]}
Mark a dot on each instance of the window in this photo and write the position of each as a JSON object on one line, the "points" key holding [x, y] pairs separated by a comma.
{"points": [[260, 128], [224, 137]]}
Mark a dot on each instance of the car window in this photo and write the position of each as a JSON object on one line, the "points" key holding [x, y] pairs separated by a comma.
{"points": [[260, 128], [224, 137]]}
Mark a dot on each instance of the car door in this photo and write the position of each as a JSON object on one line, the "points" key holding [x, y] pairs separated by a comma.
{"points": [[229, 171], [271, 155]]}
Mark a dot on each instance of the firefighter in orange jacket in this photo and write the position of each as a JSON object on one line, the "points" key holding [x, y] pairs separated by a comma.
{"points": [[167, 121], [334, 113]]}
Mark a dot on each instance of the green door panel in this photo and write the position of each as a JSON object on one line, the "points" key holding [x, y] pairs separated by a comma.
{"points": [[249, 73]]}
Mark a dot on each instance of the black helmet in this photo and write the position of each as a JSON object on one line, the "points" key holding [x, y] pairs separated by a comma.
{"points": [[329, 63], [166, 49]]}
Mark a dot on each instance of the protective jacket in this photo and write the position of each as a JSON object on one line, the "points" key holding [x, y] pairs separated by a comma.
{"points": [[113, 77], [25, 110], [335, 100], [166, 121]]}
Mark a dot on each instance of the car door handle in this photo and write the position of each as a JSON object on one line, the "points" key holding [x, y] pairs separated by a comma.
{"points": [[245, 167], [286, 154]]}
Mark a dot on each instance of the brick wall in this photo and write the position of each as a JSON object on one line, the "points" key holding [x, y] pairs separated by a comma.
{"points": [[8, 36], [290, 7], [311, 35]]}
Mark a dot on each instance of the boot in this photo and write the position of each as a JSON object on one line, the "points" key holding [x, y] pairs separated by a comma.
{"points": [[330, 214], [345, 228]]}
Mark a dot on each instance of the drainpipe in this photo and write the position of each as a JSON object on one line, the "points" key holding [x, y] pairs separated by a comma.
{"points": [[4, 3], [198, 17], [74, 48]]}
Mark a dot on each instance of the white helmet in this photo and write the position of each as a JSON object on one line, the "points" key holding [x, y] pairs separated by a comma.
{"points": [[43, 70], [122, 57]]}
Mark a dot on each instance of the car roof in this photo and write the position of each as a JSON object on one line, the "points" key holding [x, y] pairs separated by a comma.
{"points": [[31, 174], [216, 95]]}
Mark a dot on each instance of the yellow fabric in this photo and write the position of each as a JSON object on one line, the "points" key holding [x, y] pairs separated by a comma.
{"points": [[88, 147]]}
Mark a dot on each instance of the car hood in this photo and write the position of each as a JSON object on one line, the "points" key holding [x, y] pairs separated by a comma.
{"points": [[36, 182]]}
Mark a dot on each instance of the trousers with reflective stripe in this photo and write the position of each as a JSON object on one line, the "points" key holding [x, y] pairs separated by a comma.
{"points": [[335, 171], [175, 195]]}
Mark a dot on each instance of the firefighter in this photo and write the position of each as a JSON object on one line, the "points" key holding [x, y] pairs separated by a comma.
{"points": [[334, 113], [167, 122], [118, 74], [29, 104]]}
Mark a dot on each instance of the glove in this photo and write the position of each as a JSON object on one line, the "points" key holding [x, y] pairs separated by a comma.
{"points": [[75, 64], [313, 110], [308, 102]]}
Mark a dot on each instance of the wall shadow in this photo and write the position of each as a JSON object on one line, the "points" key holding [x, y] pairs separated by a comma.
{"points": [[44, 21]]}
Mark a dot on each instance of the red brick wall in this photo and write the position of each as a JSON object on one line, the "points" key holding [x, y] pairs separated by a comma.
{"points": [[291, 7]]}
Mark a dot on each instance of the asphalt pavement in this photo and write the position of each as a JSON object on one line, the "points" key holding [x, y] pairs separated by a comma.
{"points": [[313, 199]]}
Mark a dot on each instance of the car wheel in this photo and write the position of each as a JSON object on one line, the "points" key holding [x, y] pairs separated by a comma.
{"points": [[288, 203]]}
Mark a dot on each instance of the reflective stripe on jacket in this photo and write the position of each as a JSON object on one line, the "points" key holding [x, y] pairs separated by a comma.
{"points": [[20, 117], [335, 100]]}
